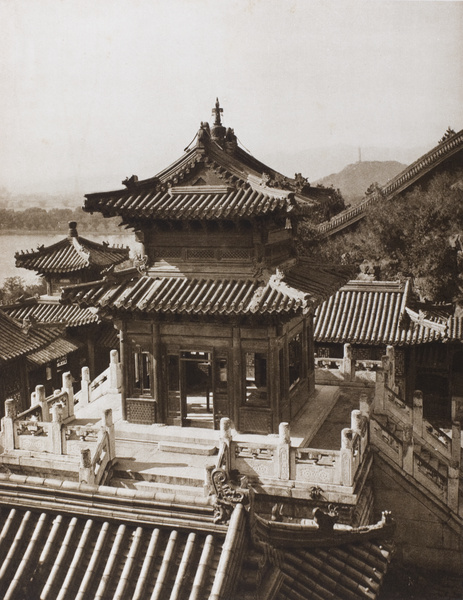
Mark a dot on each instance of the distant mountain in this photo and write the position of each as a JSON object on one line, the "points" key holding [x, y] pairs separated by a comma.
{"points": [[356, 178]]}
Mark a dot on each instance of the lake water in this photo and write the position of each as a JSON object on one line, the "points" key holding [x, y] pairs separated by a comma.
{"points": [[11, 243]]}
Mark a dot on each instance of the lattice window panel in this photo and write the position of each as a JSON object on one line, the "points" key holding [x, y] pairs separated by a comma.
{"points": [[168, 253], [142, 413], [201, 253], [399, 362], [235, 254], [255, 422], [369, 353]]}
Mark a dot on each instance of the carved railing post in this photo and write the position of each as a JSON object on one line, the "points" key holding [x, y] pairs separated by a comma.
{"points": [[55, 428], [8, 424], [365, 405], [380, 386], [347, 436], [67, 387], [225, 437], [84, 397], [348, 365], [418, 412], [407, 449], [115, 372], [356, 421], [109, 428], [284, 444], [42, 400], [390, 353], [86, 474]]}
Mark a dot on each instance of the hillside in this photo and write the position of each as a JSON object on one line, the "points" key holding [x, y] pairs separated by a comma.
{"points": [[355, 179]]}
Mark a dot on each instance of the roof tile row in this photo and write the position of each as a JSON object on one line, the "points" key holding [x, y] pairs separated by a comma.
{"points": [[375, 312], [201, 296]]}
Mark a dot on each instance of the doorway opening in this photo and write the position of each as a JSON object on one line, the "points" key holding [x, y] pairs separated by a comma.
{"points": [[197, 390]]}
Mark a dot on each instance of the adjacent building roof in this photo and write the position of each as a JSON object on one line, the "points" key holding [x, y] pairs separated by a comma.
{"points": [[58, 348], [449, 145], [71, 254], [377, 312], [18, 341], [49, 310], [350, 571], [215, 179], [270, 294]]}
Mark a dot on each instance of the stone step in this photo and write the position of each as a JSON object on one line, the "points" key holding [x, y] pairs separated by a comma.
{"points": [[187, 448], [160, 487], [159, 434], [170, 476]]}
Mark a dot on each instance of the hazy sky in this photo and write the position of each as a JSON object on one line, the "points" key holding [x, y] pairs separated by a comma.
{"points": [[93, 91]]}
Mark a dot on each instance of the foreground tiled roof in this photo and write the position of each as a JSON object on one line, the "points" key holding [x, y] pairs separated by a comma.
{"points": [[202, 296], [61, 540], [376, 312], [95, 543], [17, 341], [50, 311], [71, 254]]}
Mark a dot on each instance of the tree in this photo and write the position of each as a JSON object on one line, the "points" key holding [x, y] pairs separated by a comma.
{"points": [[410, 236], [15, 287]]}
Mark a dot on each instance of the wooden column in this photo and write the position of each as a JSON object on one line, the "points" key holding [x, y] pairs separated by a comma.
{"points": [[157, 372], [124, 365], [236, 383], [273, 378], [310, 352]]}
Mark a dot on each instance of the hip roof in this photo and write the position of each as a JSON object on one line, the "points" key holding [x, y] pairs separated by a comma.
{"points": [[378, 313]]}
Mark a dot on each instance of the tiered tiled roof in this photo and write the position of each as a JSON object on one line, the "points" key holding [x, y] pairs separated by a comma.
{"points": [[272, 294], [238, 186], [18, 341], [48, 310], [71, 254], [376, 312], [176, 203]]}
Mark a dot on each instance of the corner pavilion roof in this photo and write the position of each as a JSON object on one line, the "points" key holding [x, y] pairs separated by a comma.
{"points": [[49, 310], [214, 180], [71, 254], [275, 293], [16, 341], [381, 313]]}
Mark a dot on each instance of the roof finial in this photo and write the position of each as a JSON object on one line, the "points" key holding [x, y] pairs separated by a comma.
{"points": [[72, 229], [216, 111]]}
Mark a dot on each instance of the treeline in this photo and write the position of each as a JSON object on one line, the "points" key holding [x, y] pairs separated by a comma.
{"points": [[14, 288], [56, 220]]}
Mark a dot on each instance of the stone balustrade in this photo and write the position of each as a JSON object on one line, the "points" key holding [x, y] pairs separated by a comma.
{"points": [[107, 382], [431, 455], [278, 462], [56, 443], [347, 370]]}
